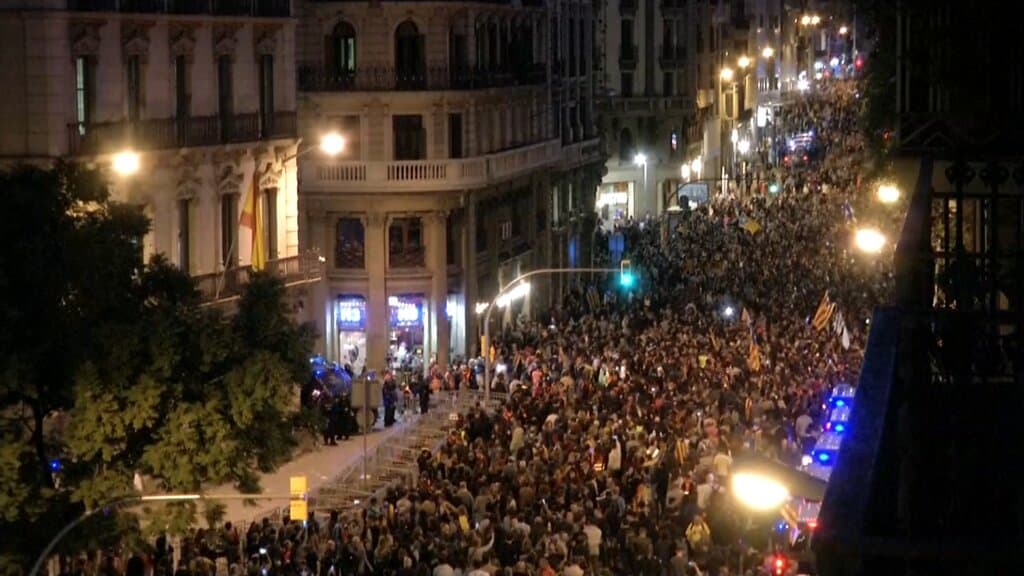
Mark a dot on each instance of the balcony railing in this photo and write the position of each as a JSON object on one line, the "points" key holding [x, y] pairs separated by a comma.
{"points": [[167, 133], [646, 105], [259, 8], [231, 282], [582, 153], [314, 78], [408, 258], [434, 174]]}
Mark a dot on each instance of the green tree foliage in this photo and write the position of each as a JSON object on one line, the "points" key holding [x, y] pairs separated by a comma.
{"points": [[147, 379]]}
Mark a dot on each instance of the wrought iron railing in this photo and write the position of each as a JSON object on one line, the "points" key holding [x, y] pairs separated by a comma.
{"points": [[104, 137], [257, 8], [231, 282], [315, 78]]}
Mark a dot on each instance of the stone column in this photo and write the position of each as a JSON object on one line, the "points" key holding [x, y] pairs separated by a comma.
{"points": [[470, 290], [377, 317], [319, 239], [437, 262]]}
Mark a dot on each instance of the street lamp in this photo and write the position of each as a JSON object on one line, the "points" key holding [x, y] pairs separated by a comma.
{"points": [[743, 62], [869, 240], [843, 30], [684, 171], [332, 144], [696, 166], [815, 20], [726, 74], [888, 194], [768, 52], [126, 163], [805, 20]]}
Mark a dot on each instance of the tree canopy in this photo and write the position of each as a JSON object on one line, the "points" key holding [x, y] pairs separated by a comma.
{"points": [[109, 367]]}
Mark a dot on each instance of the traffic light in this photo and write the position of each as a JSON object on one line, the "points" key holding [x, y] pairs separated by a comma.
{"points": [[626, 277], [779, 564]]}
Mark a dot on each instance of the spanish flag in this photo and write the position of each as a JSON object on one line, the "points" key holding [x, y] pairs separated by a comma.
{"points": [[825, 310], [252, 218]]}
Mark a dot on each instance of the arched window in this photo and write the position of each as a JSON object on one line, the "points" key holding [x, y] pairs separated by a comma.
{"points": [[626, 145], [410, 60], [340, 52]]}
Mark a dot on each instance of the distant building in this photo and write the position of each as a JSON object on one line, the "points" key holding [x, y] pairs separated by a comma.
{"points": [[471, 157], [203, 91]]}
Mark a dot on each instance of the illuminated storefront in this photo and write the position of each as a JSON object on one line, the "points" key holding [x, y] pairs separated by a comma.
{"points": [[614, 202], [405, 331], [350, 321]]}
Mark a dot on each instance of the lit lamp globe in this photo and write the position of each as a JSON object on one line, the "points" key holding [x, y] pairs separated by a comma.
{"points": [[759, 492], [726, 74], [126, 163], [888, 194], [768, 52], [684, 171], [332, 144], [743, 62], [695, 166], [869, 240]]}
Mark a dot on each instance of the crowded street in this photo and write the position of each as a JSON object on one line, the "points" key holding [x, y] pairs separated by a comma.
{"points": [[612, 454]]}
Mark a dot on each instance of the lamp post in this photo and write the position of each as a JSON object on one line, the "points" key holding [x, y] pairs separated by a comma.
{"points": [[503, 295]]}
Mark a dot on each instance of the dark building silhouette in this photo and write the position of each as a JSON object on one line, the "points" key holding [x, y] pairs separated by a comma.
{"points": [[930, 479]]}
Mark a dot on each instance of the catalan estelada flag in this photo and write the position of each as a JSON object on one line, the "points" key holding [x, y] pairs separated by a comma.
{"points": [[824, 312]]}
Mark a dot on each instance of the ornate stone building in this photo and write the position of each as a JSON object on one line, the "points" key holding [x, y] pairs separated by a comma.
{"points": [[471, 157]]}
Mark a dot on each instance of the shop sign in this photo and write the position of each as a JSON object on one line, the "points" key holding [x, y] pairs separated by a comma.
{"points": [[351, 314]]}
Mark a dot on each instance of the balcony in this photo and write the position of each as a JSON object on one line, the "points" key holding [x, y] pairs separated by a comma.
{"points": [[256, 8], [581, 153], [169, 133], [313, 78], [427, 175], [643, 105], [294, 270]]}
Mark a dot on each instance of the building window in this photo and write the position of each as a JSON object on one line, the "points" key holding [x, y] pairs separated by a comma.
{"points": [[556, 206], [626, 145], [506, 230], [266, 64], [186, 228], [85, 91], [269, 207], [182, 87], [481, 229], [229, 230], [340, 53], [410, 138], [455, 135], [627, 48], [700, 39], [667, 86], [225, 94], [133, 86], [410, 60], [627, 84], [405, 243], [349, 244]]}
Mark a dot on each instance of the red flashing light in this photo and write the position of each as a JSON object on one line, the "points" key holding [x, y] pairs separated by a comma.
{"points": [[812, 524], [858, 63], [780, 566]]}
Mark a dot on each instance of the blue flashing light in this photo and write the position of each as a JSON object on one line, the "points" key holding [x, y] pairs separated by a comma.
{"points": [[840, 428], [55, 465], [840, 403], [824, 457], [626, 280]]}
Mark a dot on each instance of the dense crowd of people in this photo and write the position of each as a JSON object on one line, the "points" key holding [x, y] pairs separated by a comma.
{"points": [[613, 453]]}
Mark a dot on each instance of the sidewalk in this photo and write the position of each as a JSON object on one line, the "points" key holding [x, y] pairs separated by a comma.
{"points": [[319, 466]]}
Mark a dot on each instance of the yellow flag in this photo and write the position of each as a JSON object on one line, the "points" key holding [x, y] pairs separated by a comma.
{"points": [[252, 218]]}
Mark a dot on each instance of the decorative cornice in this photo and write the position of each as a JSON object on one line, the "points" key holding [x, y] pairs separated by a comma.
{"points": [[182, 40], [265, 40], [85, 38], [135, 38], [225, 40]]}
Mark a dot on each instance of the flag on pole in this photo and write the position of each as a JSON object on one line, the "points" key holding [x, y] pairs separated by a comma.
{"points": [[824, 312], [252, 218], [838, 324], [754, 357], [745, 317]]}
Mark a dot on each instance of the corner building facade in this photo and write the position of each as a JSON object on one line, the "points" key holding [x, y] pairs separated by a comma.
{"points": [[203, 93], [471, 157]]}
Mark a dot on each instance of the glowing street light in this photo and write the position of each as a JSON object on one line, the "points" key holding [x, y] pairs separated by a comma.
{"points": [[803, 85], [759, 492], [696, 166], [815, 20], [869, 240], [843, 30], [126, 163], [768, 52], [726, 74], [805, 20], [518, 292], [684, 171], [888, 194], [332, 144], [743, 62], [640, 159], [743, 146]]}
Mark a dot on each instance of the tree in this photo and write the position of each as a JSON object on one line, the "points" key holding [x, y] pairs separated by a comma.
{"points": [[145, 379]]}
